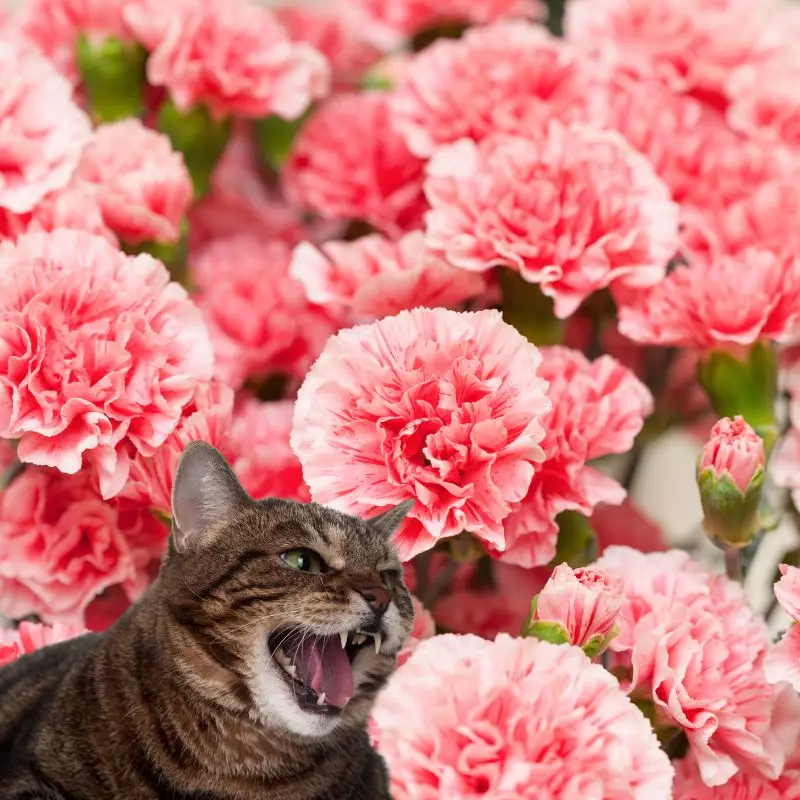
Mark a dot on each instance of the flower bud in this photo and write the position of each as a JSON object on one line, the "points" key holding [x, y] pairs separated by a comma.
{"points": [[577, 607], [730, 474]]}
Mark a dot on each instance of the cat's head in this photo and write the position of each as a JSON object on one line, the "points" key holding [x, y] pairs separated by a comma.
{"points": [[295, 610]]}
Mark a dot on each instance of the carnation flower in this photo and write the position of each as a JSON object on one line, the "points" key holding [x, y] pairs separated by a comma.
{"points": [[329, 31], [43, 131], [435, 405], [389, 22], [30, 636], [98, 350], [234, 57], [733, 449], [54, 27], [730, 300], [257, 315], [515, 718], [695, 648], [784, 466], [373, 277], [61, 545], [349, 162], [689, 785], [598, 408], [581, 210], [152, 21], [694, 45], [261, 454], [424, 627], [626, 524], [783, 660], [512, 77], [206, 419], [142, 183]]}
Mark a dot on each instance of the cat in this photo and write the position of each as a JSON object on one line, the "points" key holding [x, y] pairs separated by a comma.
{"points": [[247, 670]]}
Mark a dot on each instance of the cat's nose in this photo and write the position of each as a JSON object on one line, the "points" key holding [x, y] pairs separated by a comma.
{"points": [[377, 595]]}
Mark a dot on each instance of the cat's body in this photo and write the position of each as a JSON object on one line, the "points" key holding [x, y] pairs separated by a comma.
{"points": [[183, 697]]}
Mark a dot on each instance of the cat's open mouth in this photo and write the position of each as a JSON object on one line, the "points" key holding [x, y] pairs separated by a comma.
{"points": [[319, 668]]}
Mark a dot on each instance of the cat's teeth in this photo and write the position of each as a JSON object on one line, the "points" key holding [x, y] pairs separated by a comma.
{"points": [[378, 639], [292, 670], [343, 639], [281, 657], [321, 699], [359, 638]]}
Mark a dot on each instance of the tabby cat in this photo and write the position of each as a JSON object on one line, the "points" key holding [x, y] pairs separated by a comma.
{"points": [[247, 670]]}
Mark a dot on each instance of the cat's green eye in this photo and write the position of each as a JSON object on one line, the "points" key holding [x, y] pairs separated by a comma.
{"points": [[303, 560]]}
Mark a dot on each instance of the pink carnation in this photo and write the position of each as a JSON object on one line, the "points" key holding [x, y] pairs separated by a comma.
{"points": [[689, 785], [373, 277], [30, 636], [257, 315], [695, 647], [349, 162], [42, 131], [234, 57], [76, 207], [329, 31], [54, 27], [584, 602], [261, 455], [206, 419], [731, 300], [239, 201], [388, 23], [61, 545], [783, 660], [439, 406], [514, 718], [512, 77], [598, 408], [626, 524], [784, 466], [581, 211], [143, 185], [693, 45], [98, 350], [424, 628], [733, 449]]}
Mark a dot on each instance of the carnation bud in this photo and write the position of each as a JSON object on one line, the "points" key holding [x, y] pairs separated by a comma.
{"points": [[113, 76], [730, 474], [576, 607]]}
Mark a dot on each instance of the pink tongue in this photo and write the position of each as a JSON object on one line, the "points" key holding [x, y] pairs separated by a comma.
{"points": [[322, 664]]}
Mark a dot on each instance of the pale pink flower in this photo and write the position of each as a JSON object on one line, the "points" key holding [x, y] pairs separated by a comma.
{"points": [[261, 454], [585, 602], [440, 406], [61, 545], [694, 646], [733, 449], [54, 26], [689, 785], [240, 202], [258, 317], [207, 419], [329, 31], [374, 277], [30, 636], [783, 660], [349, 162], [143, 185], [424, 628], [152, 21], [514, 718], [729, 300], [581, 210], [76, 207], [98, 350], [598, 408], [693, 45], [626, 524], [511, 77], [784, 466], [389, 23], [42, 131], [236, 58]]}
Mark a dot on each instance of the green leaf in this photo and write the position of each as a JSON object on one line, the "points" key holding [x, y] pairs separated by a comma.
{"points": [[577, 541], [596, 645], [275, 137], [113, 77], [529, 310], [553, 632]]}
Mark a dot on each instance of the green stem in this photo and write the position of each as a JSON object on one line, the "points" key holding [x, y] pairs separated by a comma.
{"points": [[733, 564]]}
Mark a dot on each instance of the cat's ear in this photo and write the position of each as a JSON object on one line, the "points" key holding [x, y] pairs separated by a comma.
{"points": [[205, 493], [389, 521]]}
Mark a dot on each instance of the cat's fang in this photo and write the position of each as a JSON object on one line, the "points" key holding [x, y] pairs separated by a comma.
{"points": [[343, 638], [321, 699], [358, 638], [378, 640]]}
